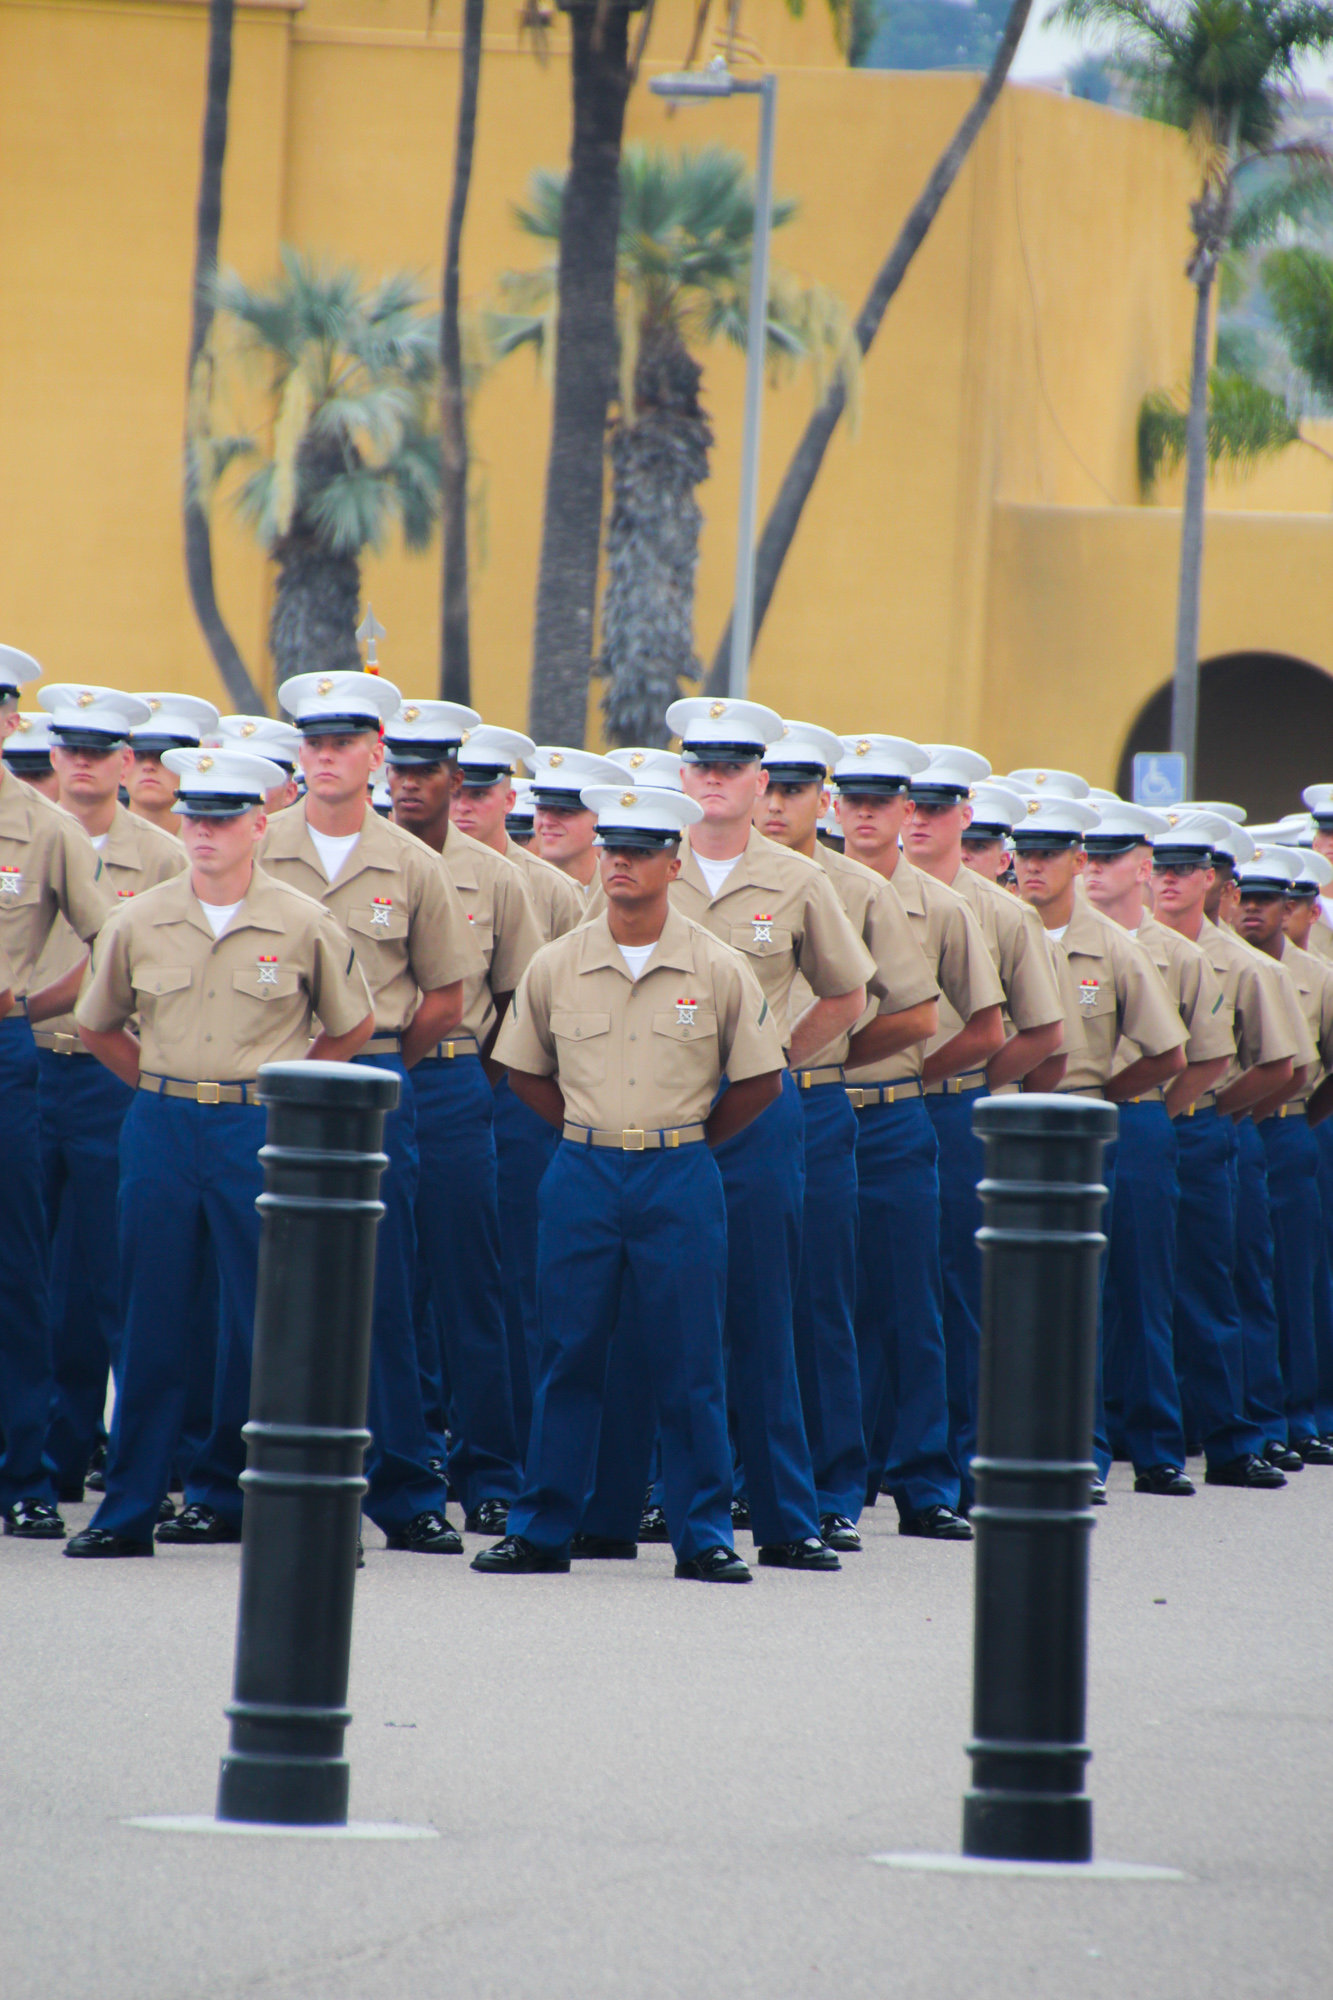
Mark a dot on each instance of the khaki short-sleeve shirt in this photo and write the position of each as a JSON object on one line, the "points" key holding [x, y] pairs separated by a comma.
{"points": [[395, 903], [504, 926], [782, 913], [213, 1010], [135, 856], [1120, 992], [1313, 981], [48, 869], [1017, 945], [1194, 987], [644, 1054], [954, 949], [901, 978], [555, 898], [1260, 1019]]}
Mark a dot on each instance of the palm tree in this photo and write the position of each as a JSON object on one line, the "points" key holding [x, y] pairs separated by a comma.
{"points": [[455, 643], [207, 228], [798, 481], [1299, 285], [683, 274], [349, 377], [1246, 424], [1221, 70]]}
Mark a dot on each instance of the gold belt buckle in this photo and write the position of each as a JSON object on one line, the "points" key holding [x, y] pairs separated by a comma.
{"points": [[888, 1093], [449, 1051], [804, 1079], [65, 1045], [208, 1093], [671, 1138], [633, 1139], [855, 1097]]}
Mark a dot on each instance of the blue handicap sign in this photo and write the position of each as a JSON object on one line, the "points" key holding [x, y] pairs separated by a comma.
{"points": [[1159, 778]]}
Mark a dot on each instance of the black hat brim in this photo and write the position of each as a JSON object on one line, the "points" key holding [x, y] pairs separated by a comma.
{"points": [[722, 753], [214, 805]]}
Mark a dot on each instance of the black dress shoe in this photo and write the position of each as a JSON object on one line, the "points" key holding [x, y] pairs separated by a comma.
{"points": [[1314, 1451], [653, 1526], [101, 1542], [1244, 1471], [488, 1517], [1097, 1493], [1283, 1457], [837, 1532], [34, 1521], [1164, 1479], [809, 1553], [516, 1556], [740, 1512], [428, 1534], [95, 1477], [717, 1565], [603, 1548], [197, 1523], [936, 1524], [167, 1510]]}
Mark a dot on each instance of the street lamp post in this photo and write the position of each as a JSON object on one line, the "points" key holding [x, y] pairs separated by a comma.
{"points": [[693, 87]]}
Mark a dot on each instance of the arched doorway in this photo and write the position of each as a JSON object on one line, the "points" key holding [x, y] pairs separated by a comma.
{"points": [[1265, 732]]}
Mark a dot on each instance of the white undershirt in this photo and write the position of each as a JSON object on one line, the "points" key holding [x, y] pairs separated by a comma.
{"points": [[99, 840], [714, 873], [333, 849], [1058, 934], [219, 914], [636, 956]]}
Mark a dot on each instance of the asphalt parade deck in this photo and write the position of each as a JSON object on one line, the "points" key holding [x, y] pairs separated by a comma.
{"points": [[646, 1788]]}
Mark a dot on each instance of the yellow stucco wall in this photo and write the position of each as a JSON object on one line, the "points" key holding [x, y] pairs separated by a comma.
{"points": [[974, 565]]}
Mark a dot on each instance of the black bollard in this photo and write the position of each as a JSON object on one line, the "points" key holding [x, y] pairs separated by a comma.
{"points": [[307, 1438], [1041, 1243]]}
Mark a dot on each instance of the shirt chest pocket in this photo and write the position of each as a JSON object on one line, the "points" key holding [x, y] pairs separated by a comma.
{"points": [[582, 1045], [256, 988], [761, 939], [685, 1050], [483, 932], [1096, 1007], [17, 890], [381, 923], [160, 993]]}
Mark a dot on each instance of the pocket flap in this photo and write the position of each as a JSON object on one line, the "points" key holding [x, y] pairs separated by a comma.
{"points": [[700, 1025], [163, 979], [278, 982], [380, 926], [580, 1027], [760, 940]]}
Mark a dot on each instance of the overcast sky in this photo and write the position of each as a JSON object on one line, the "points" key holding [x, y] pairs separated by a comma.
{"points": [[1045, 52]]}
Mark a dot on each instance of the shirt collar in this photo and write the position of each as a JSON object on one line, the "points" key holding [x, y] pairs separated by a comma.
{"points": [[176, 903], [674, 948]]}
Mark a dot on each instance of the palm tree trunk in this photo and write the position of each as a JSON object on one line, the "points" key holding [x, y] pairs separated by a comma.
{"points": [[455, 643], [208, 226], [585, 378], [1185, 686], [798, 481], [652, 542]]}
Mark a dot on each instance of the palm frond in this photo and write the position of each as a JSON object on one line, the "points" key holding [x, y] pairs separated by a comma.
{"points": [[1299, 286], [1246, 424]]}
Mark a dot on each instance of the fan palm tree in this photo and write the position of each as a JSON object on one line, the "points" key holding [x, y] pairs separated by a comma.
{"points": [[347, 388], [1221, 70], [683, 274], [207, 228]]}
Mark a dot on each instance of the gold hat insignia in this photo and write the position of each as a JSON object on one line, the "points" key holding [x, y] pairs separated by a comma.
{"points": [[411, 713], [24, 725], [464, 737], [629, 798], [636, 760], [86, 699], [1034, 805], [717, 708], [1040, 778], [153, 703], [204, 764], [325, 685], [249, 728], [556, 758], [863, 747], [1173, 819]]}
